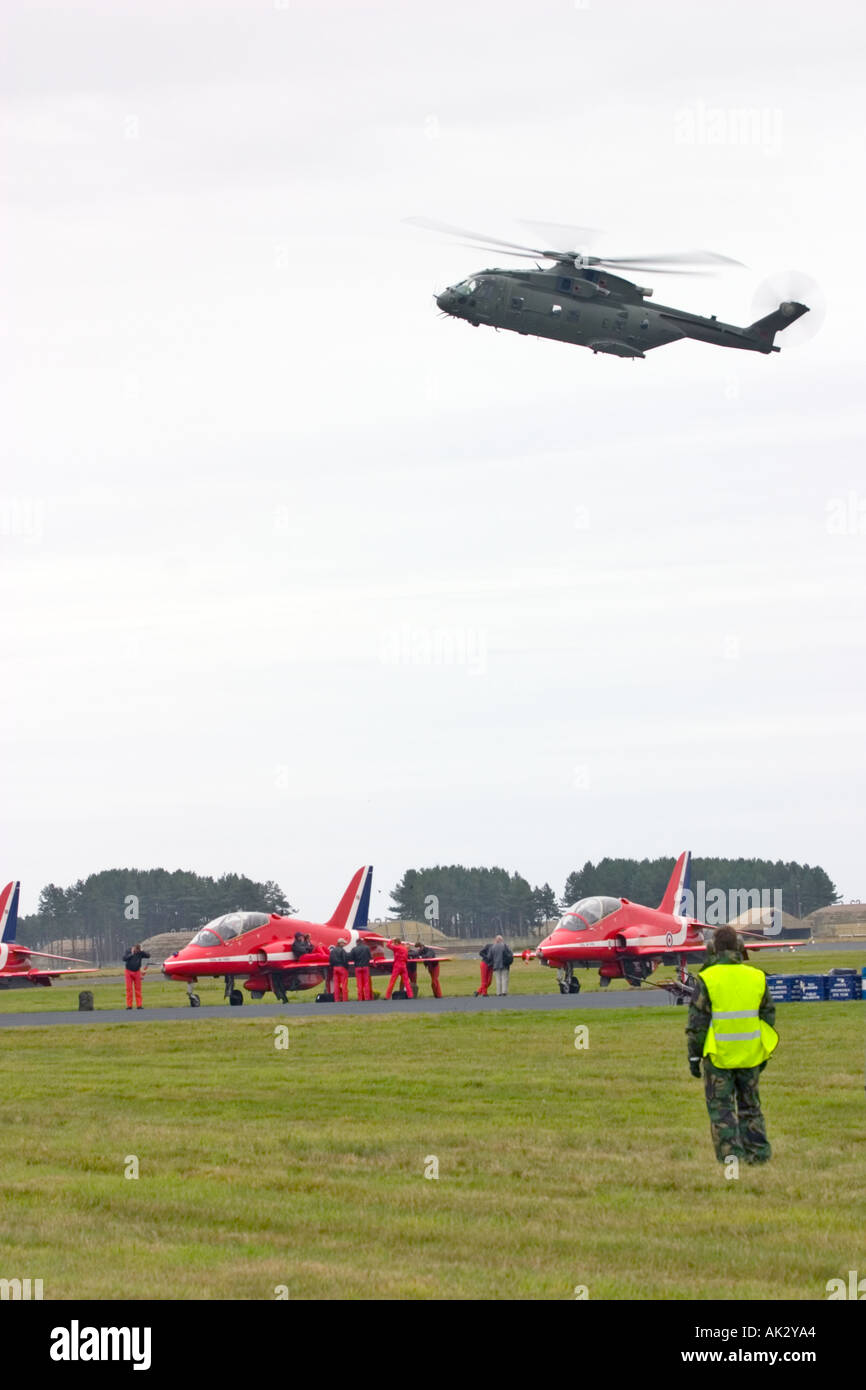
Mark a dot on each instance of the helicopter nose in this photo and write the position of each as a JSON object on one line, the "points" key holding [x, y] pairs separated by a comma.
{"points": [[445, 300]]}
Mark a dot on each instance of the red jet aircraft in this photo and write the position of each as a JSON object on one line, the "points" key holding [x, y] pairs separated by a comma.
{"points": [[259, 946], [628, 941], [16, 972]]}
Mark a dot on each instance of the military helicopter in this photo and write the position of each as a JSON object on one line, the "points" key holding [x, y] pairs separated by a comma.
{"points": [[582, 299]]}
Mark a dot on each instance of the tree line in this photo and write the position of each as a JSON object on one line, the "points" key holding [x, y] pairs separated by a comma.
{"points": [[804, 888], [476, 902], [472, 902], [107, 912]]}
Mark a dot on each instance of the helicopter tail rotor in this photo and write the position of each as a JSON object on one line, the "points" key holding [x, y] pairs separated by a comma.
{"points": [[783, 299], [780, 318]]}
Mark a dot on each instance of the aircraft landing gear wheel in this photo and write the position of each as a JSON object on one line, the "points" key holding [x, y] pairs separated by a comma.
{"points": [[235, 997], [574, 987], [257, 994], [194, 1001], [564, 987]]}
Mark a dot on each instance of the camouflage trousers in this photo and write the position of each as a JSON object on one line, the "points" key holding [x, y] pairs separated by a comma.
{"points": [[736, 1122]]}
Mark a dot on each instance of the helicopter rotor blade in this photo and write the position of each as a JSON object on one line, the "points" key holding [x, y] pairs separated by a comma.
{"points": [[695, 262], [430, 225], [497, 251], [676, 259]]}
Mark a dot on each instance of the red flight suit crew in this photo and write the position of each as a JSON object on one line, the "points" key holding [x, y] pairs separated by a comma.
{"points": [[400, 968], [339, 961], [132, 974], [486, 974], [360, 956]]}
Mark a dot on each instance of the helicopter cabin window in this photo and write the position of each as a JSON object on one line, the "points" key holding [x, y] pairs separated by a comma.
{"points": [[556, 308], [565, 284], [517, 303]]}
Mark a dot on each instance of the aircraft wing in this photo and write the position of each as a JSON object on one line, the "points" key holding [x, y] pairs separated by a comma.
{"points": [[48, 955], [777, 943], [51, 974]]}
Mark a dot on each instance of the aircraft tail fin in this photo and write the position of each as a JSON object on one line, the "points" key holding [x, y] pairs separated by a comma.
{"points": [[674, 895], [9, 911], [783, 317], [353, 909]]}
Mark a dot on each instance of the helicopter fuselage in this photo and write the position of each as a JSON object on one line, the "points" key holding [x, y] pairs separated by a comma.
{"points": [[594, 309]]}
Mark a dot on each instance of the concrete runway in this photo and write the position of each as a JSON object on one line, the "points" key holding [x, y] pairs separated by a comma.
{"points": [[646, 997], [459, 1004]]}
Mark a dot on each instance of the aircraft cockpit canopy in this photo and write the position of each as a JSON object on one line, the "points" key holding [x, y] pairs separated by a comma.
{"points": [[222, 929], [588, 912]]}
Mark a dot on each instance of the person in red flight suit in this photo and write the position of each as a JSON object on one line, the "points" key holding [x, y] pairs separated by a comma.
{"points": [[339, 962], [432, 966], [400, 968], [132, 960], [360, 956], [486, 971]]}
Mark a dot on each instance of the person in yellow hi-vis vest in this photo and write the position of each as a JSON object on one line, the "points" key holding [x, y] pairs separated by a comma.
{"points": [[730, 1029]]}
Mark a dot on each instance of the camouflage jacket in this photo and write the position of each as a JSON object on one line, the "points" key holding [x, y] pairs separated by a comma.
{"points": [[701, 1010]]}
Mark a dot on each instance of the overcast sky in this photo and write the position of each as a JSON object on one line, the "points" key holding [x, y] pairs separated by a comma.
{"points": [[297, 575]]}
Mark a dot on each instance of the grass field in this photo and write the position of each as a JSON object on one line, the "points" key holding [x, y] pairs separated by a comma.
{"points": [[459, 977], [261, 1167]]}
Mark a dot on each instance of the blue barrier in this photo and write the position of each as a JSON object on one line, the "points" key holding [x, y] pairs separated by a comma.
{"points": [[809, 989]]}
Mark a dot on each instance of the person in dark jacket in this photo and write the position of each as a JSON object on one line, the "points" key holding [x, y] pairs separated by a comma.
{"points": [[360, 956], [486, 970], [132, 960], [501, 960], [339, 961], [299, 945], [423, 952]]}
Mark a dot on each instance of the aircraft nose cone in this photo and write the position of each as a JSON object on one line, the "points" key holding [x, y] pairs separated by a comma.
{"points": [[445, 300]]}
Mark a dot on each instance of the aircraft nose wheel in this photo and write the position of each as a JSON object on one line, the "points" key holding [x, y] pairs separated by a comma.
{"points": [[194, 1001], [236, 997]]}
